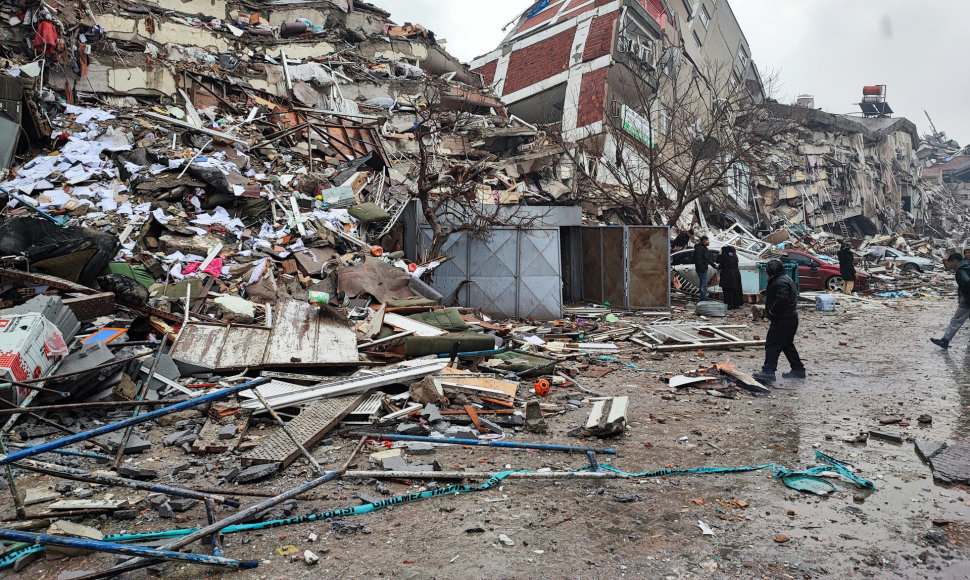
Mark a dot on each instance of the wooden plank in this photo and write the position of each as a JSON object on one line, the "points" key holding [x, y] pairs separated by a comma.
{"points": [[404, 323], [243, 347], [473, 415], [200, 344], [708, 345], [294, 337]]}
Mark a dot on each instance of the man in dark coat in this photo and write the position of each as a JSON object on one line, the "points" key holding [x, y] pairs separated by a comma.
{"points": [[781, 308], [731, 277], [702, 259], [956, 262], [847, 267]]}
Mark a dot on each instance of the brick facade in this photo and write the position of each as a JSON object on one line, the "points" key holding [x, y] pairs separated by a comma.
{"points": [[488, 72], [540, 61], [592, 99], [601, 34]]}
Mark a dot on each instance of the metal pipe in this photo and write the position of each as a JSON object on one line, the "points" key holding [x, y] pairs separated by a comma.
{"points": [[485, 475], [143, 392], [488, 443], [106, 404], [218, 526], [94, 368], [10, 383], [65, 441], [59, 514], [85, 475], [114, 548], [289, 432]]}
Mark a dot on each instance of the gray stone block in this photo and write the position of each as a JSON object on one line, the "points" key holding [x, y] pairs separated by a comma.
{"points": [[256, 472], [181, 504]]}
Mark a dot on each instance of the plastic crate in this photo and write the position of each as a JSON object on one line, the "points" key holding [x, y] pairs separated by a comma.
{"points": [[791, 269]]}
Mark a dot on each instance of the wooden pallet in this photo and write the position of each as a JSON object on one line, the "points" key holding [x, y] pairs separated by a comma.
{"points": [[310, 426]]}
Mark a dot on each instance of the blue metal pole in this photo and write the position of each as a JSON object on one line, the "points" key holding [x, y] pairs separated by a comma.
{"points": [[101, 546], [485, 442], [64, 441], [85, 475]]}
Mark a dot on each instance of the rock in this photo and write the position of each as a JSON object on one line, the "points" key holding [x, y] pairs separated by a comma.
{"points": [[228, 432], [310, 558], [924, 419], [625, 498], [420, 448], [181, 504], [176, 438], [410, 429], [311, 537], [256, 472], [367, 499], [139, 473], [534, 421], [65, 486], [136, 444], [173, 418], [165, 511], [781, 539], [506, 540], [124, 514], [83, 493], [886, 436], [431, 413]]}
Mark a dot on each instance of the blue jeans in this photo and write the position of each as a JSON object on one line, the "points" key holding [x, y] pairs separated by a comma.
{"points": [[703, 283]]}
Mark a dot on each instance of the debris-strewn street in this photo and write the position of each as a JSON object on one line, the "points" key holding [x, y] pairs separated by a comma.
{"points": [[288, 290], [641, 527]]}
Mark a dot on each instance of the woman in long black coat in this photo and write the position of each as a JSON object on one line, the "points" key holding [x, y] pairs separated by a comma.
{"points": [[730, 277], [847, 267]]}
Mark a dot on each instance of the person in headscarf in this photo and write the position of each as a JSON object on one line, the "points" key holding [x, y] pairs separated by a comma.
{"points": [[730, 277]]}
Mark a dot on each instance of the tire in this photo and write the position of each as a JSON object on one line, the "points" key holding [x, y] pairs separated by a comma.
{"points": [[910, 267], [835, 283]]}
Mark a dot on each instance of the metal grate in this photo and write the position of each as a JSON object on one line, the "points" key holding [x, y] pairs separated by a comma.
{"points": [[309, 427]]}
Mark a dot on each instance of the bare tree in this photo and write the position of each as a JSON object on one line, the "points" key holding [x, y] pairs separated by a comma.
{"points": [[450, 189], [677, 135]]}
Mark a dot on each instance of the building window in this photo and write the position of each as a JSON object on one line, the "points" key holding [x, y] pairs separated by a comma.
{"points": [[704, 16], [689, 5], [742, 56], [735, 79], [697, 39]]}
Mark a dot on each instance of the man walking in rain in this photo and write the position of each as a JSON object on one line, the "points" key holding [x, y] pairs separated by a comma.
{"points": [[781, 308], [956, 262]]}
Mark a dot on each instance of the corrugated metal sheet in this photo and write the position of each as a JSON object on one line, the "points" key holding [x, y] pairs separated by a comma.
{"points": [[302, 335], [516, 273]]}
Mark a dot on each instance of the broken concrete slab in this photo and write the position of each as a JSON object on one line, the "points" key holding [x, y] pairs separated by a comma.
{"points": [[36, 495], [256, 472], [952, 464], [608, 417], [73, 530], [165, 510], [139, 473], [534, 421], [228, 432], [89, 504], [181, 504], [136, 444], [927, 449], [886, 436]]}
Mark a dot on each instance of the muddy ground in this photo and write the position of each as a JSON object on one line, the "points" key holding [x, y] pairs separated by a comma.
{"points": [[909, 527]]}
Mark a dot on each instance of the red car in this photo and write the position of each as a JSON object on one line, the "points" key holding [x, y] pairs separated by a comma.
{"points": [[815, 274]]}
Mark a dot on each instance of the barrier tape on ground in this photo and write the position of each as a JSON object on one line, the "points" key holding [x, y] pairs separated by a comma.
{"points": [[830, 464]]}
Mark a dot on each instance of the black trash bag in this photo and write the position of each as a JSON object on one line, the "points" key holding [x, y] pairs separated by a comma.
{"points": [[139, 329], [126, 290], [39, 239]]}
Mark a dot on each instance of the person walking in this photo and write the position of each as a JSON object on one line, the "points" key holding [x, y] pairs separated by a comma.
{"points": [[781, 308], [847, 267], [731, 277], [702, 259], [962, 273]]}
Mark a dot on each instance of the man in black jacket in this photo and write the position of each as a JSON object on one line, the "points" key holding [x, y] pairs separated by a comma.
{"points": [[702, 259], [956, 262], [781, 308]]}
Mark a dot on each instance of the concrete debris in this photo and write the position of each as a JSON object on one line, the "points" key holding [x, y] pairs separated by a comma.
{"points": [[608, 417]]}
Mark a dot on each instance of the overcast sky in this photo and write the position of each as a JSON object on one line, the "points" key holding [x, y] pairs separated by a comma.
{"points": [[826, 48]]}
